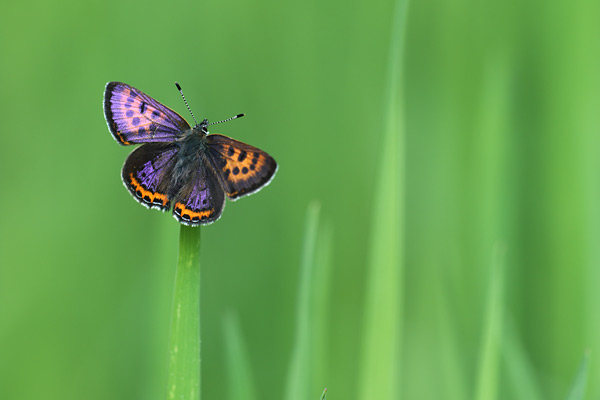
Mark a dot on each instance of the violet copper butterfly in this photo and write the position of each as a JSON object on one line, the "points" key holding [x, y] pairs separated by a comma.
{"points": [[179, 165]]}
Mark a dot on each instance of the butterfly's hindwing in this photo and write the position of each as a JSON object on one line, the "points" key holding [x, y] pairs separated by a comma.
{"points": [[134, 117], [200, 200], [243, 169], [147, 174]]}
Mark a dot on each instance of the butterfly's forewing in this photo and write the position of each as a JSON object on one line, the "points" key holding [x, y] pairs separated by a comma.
{"points": [[134, 117], [200, 200], [147, 174], [243, 169]]}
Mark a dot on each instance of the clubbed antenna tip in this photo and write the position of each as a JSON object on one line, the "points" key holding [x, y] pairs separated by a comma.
{"points": [[185, 101], [228, 119]]}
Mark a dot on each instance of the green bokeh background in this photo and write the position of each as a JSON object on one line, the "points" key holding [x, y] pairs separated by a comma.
{"points": [[501, 148]]}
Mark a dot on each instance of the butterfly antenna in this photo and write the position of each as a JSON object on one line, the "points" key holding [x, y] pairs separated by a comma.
{"points": [[185, 101], [228, 119]]}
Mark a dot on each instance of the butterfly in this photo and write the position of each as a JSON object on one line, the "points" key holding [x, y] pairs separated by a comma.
{"points": [[179, 165]]}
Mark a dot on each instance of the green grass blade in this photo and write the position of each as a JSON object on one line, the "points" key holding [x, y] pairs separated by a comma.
{"points": [[578, 389], [184, 346], [240, 385], [324, 395], [493, 209], [380, 367], [489, 366], [452, 379], [320, 301], [300, 379], [520, 374]]}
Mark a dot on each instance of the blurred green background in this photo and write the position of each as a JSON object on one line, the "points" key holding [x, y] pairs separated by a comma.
{"points": [[499, 183]]}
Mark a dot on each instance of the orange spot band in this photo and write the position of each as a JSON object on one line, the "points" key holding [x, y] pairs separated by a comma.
{"points": [[146, 193], [186, 212]]}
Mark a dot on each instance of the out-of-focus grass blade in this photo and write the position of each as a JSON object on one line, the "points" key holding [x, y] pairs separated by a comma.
{"points": [[380, 366], [324, 395], [300, 378], [519, 373], [240, 385], [452, 377], [495, 209], [489, 365], [320, 304], [578, 389]]}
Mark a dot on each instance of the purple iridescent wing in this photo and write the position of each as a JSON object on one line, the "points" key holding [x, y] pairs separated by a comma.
{"points": [[200, 201], [243, 169], [147, 174], [134, 117]]}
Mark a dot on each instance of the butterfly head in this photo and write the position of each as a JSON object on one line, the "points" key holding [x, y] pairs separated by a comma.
{"points": [[203, 126], [201, 129]]}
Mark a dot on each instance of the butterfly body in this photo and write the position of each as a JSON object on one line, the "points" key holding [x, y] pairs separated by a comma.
{"points": [[177, 165]]}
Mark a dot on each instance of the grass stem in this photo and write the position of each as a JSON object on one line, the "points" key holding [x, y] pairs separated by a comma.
{"points": [[184, 346]]}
